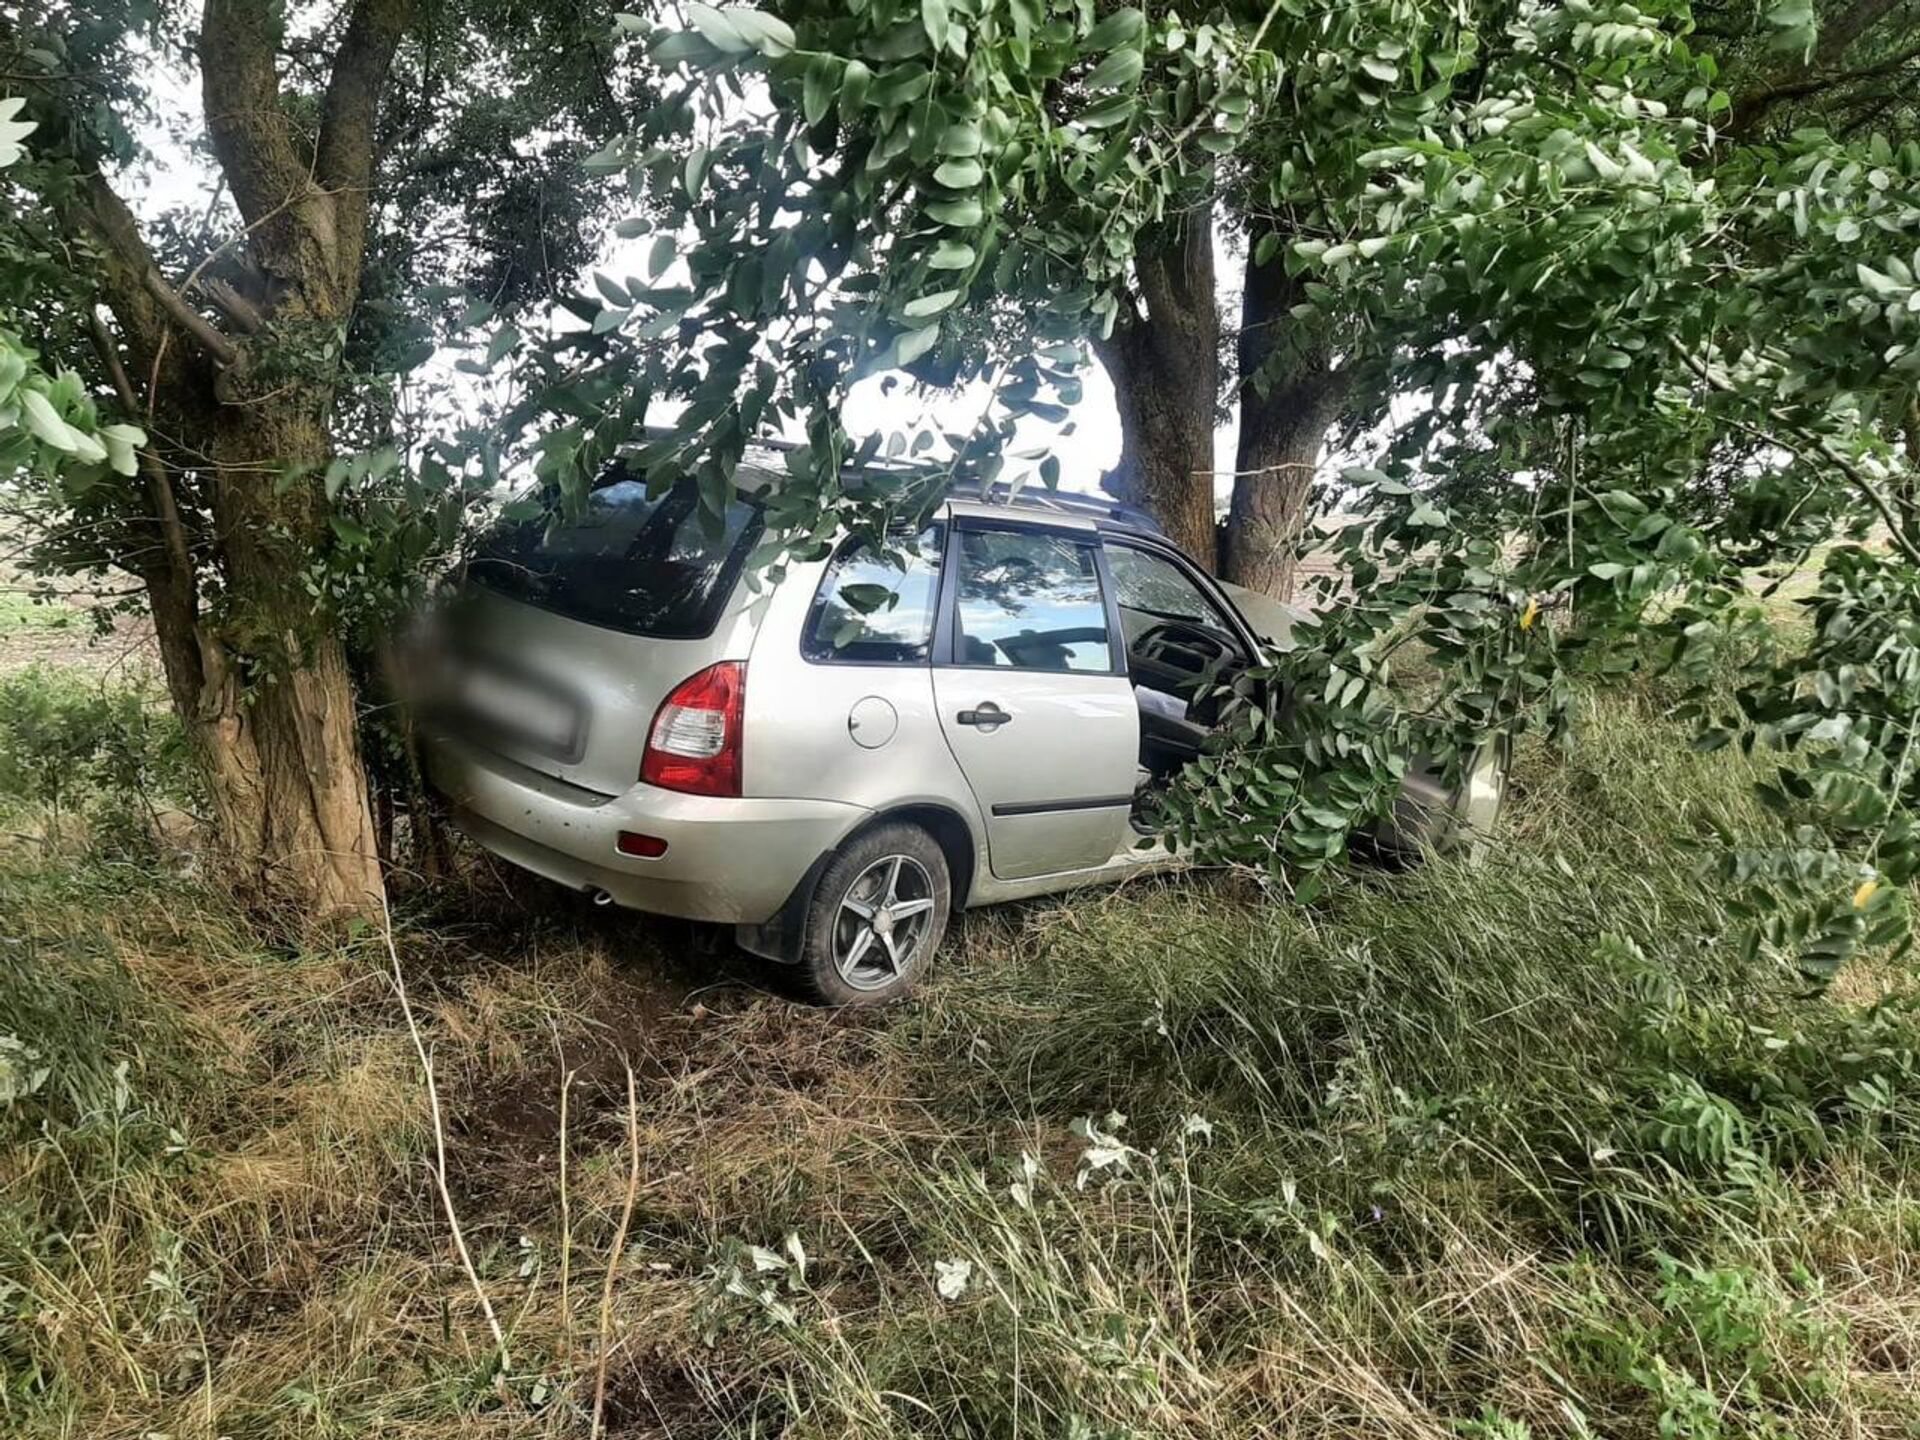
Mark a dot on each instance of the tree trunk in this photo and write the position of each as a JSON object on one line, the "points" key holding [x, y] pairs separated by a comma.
{"points": [[236, 519], [263, 691], [295, 790], [1289, 396], [1165, 367]]}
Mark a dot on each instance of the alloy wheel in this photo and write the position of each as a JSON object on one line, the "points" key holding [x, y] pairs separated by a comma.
{"points": [[882, 922]]}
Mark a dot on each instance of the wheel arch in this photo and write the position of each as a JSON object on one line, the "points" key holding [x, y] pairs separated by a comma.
{"points": [[779, 937], [950, 831]]}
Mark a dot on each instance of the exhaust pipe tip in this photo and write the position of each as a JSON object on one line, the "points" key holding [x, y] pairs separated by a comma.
{"points": [[599, 896]]}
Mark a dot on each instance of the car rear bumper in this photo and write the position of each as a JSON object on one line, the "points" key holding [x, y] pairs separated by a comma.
{"points": [[734, 861]]}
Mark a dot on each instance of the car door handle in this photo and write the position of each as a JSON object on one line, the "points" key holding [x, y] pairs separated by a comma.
{"points": [[988, 717]]}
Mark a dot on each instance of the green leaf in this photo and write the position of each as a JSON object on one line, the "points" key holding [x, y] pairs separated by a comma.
{"points": [[716, 27], [937, 21], [960, 138], [1881, 285], [1119, 71], [867, 598], [818, 90], [1119, 27], [610, 290], [768, 34], [922, 306], [960, 213], [1794, 25], [950, 255], [504, 339], [670, 48], [913, 344], [695, 174], [606, 161], [87, 450], [959, 174], [45, 422], [351, 532], [855, 81], [1118, 109], [123, 442]]}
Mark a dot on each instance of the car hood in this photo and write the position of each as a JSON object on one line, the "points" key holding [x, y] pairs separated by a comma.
{"points": [[1274, 621]]}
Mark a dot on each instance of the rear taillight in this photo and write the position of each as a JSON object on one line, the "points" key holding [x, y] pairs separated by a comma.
{"points": [[695, 741]]}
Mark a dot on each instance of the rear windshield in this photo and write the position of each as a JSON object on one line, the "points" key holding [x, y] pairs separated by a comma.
{"points": [[660, 567]]}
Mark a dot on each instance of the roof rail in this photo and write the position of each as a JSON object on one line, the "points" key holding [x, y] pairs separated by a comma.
{"points": [[1071, 502]]}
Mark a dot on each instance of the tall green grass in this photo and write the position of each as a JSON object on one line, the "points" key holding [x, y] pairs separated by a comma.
{"points": [[1522, 1144], [1522, 1147]]}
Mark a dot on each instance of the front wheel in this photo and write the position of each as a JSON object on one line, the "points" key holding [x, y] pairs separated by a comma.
{"points": [[877, 916]]}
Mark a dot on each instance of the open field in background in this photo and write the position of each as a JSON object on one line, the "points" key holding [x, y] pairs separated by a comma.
{"points": [[1522, 1149], [66, 632]]}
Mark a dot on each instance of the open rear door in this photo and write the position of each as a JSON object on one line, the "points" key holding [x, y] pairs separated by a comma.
{"points": [[1030, 680]]}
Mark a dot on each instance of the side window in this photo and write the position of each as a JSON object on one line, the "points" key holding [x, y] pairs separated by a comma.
{"points": [[868, 611], [1030, 600], [1151, 589]]}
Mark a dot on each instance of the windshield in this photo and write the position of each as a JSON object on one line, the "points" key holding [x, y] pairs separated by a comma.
{"points": [[659, 567]]}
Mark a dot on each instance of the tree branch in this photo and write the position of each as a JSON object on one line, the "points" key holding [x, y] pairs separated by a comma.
{"points": [[307, 224], [172, 530], [1839, 33], [344, 158], [1752, 106], [240, 93], [189, 319], [1813, 448], [231, 303]]}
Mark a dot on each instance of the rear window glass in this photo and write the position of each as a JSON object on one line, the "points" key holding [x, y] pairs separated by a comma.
{"points": [[660, 567], [871, 611]]}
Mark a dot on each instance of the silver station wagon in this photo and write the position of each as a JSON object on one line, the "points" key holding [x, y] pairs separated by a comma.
{"points": [[834, 763]]}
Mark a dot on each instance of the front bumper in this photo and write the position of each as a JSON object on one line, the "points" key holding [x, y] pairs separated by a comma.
{"points": [[734, 861]]}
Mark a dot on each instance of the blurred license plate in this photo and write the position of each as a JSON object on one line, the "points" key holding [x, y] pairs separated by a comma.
{"points": [[520, 709]]}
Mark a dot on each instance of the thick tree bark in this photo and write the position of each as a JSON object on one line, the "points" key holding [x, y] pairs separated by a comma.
{"points": [[296, 790], [1289, 395], [1165, 367]]}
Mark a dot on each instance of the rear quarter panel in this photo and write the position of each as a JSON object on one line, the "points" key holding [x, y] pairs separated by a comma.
{"points": [[800, 742]]}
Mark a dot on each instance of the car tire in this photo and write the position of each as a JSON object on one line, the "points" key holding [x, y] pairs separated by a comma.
{"points": [[876, 917]]}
